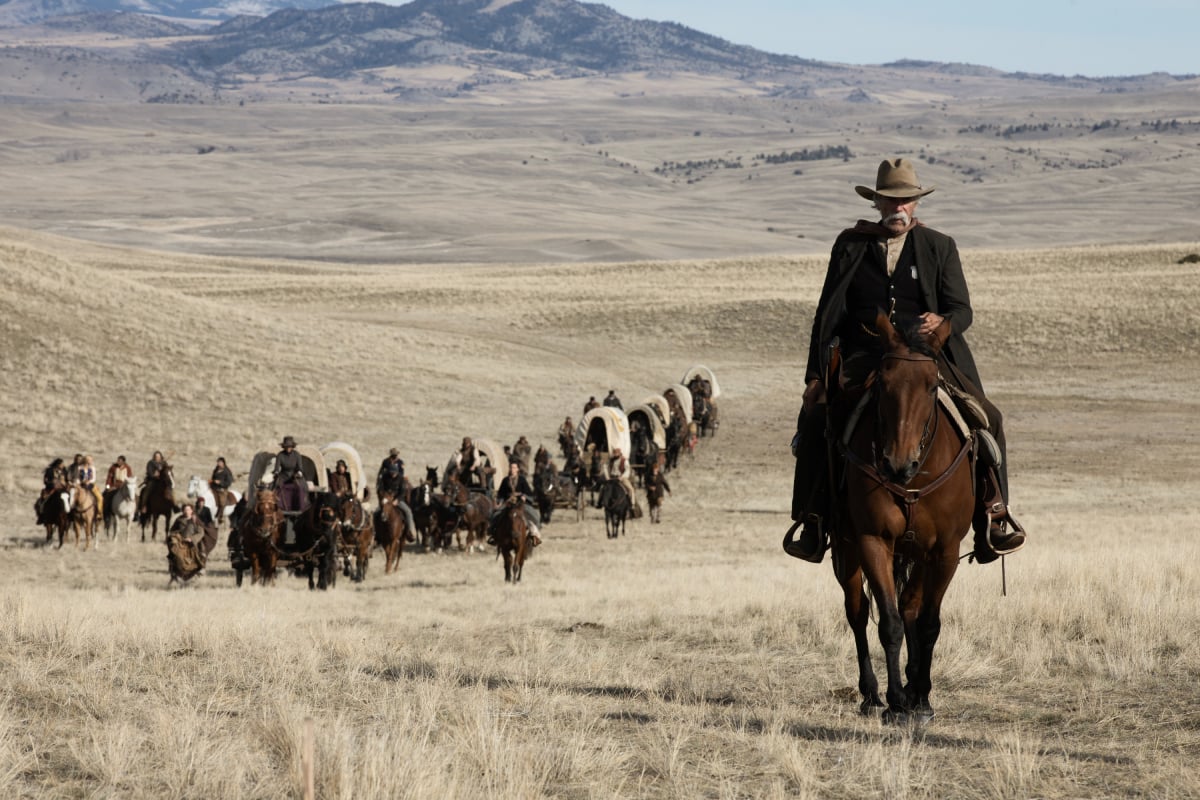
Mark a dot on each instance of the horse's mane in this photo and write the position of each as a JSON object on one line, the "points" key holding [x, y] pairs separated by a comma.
{"points": [[915, 341]]}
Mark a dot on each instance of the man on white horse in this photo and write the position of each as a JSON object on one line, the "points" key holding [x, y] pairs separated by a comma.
{"points": [[119, 473]]}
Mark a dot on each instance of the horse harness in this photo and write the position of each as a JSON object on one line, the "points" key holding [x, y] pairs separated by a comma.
{"points": [[907, 497]]}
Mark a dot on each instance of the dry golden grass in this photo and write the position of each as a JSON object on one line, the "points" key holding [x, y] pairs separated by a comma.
{"points": [[687, 659]]}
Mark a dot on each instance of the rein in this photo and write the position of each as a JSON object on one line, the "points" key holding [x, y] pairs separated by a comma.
{"points": [[909, 497]]}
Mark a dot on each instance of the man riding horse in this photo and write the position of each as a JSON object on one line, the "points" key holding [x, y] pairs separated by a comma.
{"points": [[517, 488], [914, 273], [54, 479], [469, 464], [618, 470], [119, 473], [151, 478], [391, 480]]}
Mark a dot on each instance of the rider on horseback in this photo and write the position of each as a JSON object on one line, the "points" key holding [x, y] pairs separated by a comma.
{"points": [[913, 271], [86, 477], [390, 480], [618, 470], [515, 486], [470, 464], [153, 475], [119, 473], [54, 479]]}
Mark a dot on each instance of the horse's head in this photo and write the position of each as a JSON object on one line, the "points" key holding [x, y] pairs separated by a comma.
{"points": [[195, 486], [431, 476], [906, 396]]}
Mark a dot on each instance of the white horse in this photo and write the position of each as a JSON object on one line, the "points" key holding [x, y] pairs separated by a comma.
{"points": [[198, 487], [122, 506]]}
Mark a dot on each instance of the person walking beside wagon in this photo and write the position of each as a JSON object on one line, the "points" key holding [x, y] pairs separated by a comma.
{"points": [[912, 273], [655, 483]]}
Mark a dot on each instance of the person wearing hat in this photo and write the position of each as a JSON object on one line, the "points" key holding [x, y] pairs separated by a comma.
{"points": [[289, 480], [391, 480], [612, 401], [914, 273], [618, 470], [340, 482]]}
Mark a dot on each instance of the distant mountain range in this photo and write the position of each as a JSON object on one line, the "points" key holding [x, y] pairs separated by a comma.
{"points": [[31, 12], [256, 36], [204, 46]]}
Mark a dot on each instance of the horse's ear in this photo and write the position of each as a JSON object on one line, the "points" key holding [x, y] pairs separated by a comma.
{"points": [[888, 331]]}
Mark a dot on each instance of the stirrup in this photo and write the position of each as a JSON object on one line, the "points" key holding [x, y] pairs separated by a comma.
{"points": [[793, 548], [986, 551]]}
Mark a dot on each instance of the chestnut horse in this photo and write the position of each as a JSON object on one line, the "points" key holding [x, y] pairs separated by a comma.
{"points": [[470, 511], [512, 538], [356, 535], [907, 503], [391, 532], [316, 529], [260, 528]]}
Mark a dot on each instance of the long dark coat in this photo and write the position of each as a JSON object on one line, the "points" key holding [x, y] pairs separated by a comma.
{"points": [[939, 275]]}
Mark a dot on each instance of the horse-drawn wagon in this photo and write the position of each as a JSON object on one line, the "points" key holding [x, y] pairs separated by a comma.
{"points": [[295, 529], [702, 383], [647, 437], [485, 475], [356, 526]]}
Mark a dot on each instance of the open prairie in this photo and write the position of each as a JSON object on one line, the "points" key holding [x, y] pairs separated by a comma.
{"points": [[688, 659]]}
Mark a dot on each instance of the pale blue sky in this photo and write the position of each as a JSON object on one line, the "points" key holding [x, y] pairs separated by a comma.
{"points": [[1065, 37]]}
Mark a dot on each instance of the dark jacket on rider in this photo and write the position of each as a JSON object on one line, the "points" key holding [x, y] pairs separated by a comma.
{"points": [[941, 288], [222, 477], [510, 486]]}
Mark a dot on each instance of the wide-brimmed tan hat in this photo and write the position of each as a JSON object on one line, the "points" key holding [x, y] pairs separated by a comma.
{"points": [[896, 179]]}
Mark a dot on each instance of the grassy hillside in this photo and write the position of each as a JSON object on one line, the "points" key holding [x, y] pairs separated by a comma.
{"points": [[687, 659]]}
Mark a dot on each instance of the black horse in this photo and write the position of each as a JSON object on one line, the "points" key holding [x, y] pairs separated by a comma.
{"points": [[617, 505]]}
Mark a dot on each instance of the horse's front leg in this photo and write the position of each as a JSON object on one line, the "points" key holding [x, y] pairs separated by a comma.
{"points": [[508, 565], [927, 627], [877, 563], [858, 614]]}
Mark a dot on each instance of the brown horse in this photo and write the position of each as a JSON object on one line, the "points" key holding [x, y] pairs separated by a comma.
{"points": [[260, 529], [430, 511], [470, 511], [84, 515], [391, 533], [263, 533], [159, 501], [357, 535], [512, 538], [907, 503]]}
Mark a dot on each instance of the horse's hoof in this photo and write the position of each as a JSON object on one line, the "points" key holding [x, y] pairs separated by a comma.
{"points": [[897, 717], [870, 705]]}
